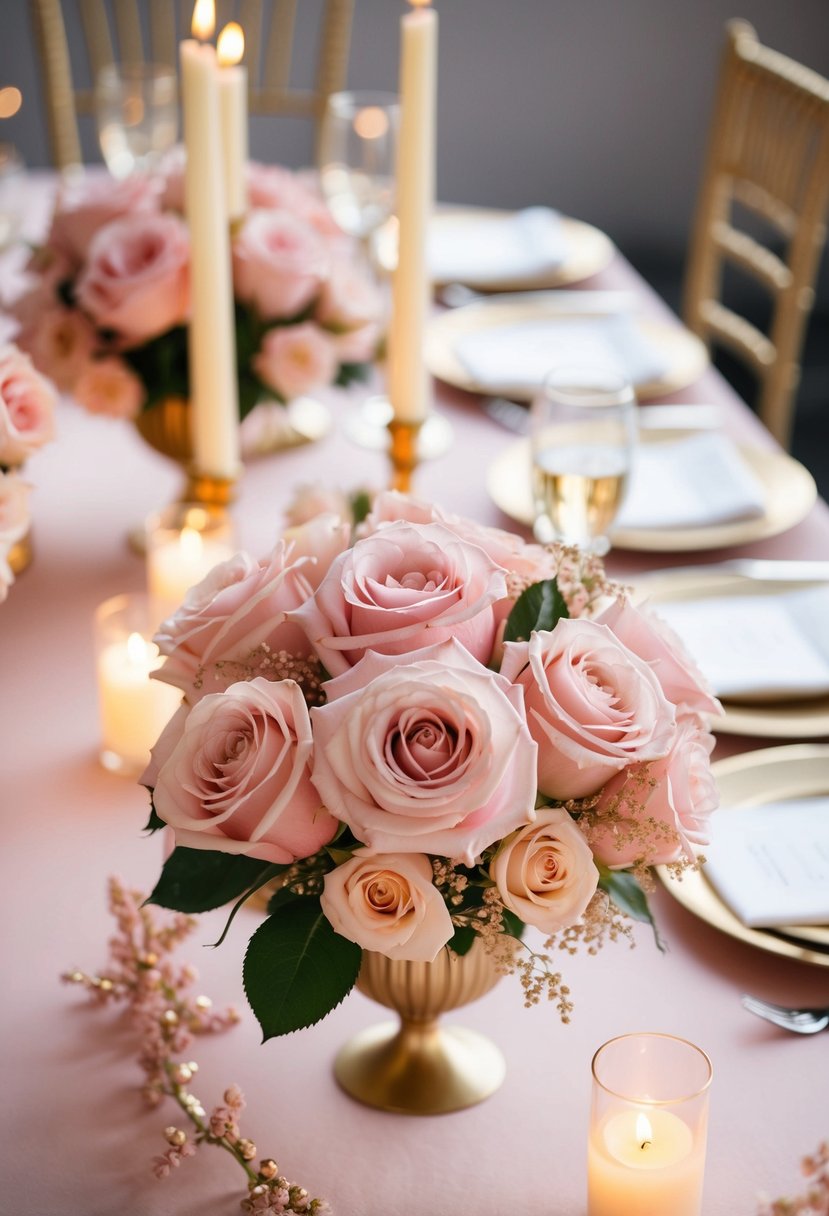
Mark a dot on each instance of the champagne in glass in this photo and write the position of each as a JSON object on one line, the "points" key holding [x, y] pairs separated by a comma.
{"points": [[136, 107], [583, 430]]}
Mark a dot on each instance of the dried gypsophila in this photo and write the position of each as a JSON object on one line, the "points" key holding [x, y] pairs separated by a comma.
{"points": [[815, 1202]]}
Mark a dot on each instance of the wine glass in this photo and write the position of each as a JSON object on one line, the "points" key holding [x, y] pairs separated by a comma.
{"points": [[582, 438], [12, 195], [136, 107]]}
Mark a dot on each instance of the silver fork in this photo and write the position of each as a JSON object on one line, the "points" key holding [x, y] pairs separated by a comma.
{"points": [[801, 1021]]}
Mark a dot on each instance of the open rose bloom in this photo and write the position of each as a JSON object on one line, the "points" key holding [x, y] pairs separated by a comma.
{"points": [[421, 735]]}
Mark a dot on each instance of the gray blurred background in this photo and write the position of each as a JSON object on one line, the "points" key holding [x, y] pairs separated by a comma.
{"points": [[597, 107]]}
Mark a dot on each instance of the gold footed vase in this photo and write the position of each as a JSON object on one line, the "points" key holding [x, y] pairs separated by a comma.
{"points": [[420, 1067]]}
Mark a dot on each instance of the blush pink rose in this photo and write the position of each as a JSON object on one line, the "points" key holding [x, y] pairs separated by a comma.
{"points": [[592, 706], [108, 386], [545, 871], [235, 775], [657, 812], [274, 188], [279, 264], [654, 641], [88, 203], [27, 407], [234, 622], [387, 903], [137, 278], [429, 755], [14, 520], [406, 587], [348, 299], [310, 499], [358, 345], [295, 359], [61, 342], [322, 539]]}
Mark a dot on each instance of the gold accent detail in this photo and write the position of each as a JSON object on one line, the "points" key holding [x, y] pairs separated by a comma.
{"points": [[21, 553], [403, 453], [421, 1067]]}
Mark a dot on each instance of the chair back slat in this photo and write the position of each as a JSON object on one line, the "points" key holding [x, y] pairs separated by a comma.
{"points": [[276, 72], [128, 31], [163, 46], [95, 24]]}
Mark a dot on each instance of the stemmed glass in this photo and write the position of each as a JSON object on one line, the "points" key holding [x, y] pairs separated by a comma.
{"points": [[136, 108], [582, 437]]}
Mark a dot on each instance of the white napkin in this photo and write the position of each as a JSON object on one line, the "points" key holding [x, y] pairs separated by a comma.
{"points": [[758, 647], [690, 483], [522, 245], [517, 357], [771, 863]]}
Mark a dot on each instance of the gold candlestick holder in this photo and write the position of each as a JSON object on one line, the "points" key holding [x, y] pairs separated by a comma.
{"points": [[211, 492], [404, 453]]}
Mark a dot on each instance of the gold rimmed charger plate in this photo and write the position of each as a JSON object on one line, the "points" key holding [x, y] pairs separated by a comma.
{"points": [[790, 719], [685, 355], [790, 492], [752, 779]]}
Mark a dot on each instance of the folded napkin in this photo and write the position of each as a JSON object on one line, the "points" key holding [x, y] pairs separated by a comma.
{"points": [[771, 863], [504, 358], [522, 245], [690, 483], [758, 647]]}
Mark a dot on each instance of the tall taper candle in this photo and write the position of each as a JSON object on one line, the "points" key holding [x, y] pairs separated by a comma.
{"points": [[233, 105], [409, 386]]}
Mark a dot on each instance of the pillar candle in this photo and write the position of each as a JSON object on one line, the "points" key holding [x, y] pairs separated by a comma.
{"points": [[233, 108], [409, 385]]}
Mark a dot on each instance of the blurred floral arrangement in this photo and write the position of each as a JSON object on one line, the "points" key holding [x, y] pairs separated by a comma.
{"points": [[423, 733], [814, 1201], [105, 316], [27, 421]]}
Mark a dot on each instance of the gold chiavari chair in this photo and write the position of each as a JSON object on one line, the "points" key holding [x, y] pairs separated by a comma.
{"points": [[767, 160], [132, 31]]}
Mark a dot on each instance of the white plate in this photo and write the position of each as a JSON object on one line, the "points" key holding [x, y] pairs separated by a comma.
{"points": [[771, 775], [790, 494], [806, 719], [685, 354]]}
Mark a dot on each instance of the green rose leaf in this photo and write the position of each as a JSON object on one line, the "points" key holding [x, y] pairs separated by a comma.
{"points": [[628, 896], [155, 822], [196, 880], [541, 606], [463, 940], [297, 969]]}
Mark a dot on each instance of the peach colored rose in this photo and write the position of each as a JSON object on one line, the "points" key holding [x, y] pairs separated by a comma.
{"points": [[405, 587], [545, 872], [233, 623], [235, 774], [137, 278], [654, 641], [592, 706], [386, 902], [61, 342], [279, 264], [88, 203], [295, 359], [656, 812], [27, 407], [348, 299], [14, 520], [322, 539], [429, 754], [108, 386]]}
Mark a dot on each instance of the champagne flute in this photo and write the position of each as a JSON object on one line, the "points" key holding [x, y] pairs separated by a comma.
{"points": [[136, 107], [582, 438]]}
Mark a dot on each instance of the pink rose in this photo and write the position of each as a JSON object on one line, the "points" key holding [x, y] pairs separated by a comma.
{"points": [[14, 521], [279, 264], [592, 706], [358, 345], [387, 903], [295, 359], [654, 641], [61, 342], [86, 204], [322, 539], [429, 755], [171, 173], [406, 587], [316, 498], [137, 278], [656, 812], [27, 407], [348, 299], [108, 386], [232, 625], [235, 776], [545, 872], [274, 188]]}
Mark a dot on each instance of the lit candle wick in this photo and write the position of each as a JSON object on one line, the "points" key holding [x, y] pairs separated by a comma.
{"points": [[645, 1144]]}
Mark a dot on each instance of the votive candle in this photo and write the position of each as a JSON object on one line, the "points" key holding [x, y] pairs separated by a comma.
{"points": [[183, 544]]}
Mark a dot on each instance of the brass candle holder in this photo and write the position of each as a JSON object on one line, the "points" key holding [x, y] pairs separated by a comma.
{"points": [[404, 453], [211, 492]]}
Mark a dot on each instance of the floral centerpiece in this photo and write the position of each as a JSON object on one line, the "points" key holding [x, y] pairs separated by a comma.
{"points": [[424, 733], [106, 315]]}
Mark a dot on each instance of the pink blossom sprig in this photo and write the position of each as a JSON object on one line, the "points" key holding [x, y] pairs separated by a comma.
{"points": [[140, 973], [815, 1201]]}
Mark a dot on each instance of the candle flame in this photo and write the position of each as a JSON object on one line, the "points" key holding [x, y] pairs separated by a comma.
{"points": [[371, 122], [231, 44], [644, 1131], [138, 653], [190, 544], [420, 3], [204, 19]]}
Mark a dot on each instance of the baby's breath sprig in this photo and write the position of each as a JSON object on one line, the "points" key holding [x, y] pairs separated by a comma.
{"points": [[140, 973], [815, 1201]]}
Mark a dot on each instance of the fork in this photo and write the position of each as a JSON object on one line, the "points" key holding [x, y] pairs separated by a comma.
{"points": [[801, 1021]]}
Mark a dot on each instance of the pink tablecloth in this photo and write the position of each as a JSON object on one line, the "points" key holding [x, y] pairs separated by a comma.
{"points": [[76, 1140]]}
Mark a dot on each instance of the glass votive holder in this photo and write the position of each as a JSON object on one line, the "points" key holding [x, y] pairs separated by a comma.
{"points": [[183, 544], [134, 709], [648, 1127]]}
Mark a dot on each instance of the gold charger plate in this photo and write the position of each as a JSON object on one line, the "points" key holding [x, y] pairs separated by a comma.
{"points": [[751, 779], [686, 355], [803, 719], [790, 494]]}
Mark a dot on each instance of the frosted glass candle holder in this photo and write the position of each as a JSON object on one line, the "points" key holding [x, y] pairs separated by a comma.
{"points": [[183, 544]]}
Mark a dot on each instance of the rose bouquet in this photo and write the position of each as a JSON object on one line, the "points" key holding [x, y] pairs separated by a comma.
{"points": [[106, 316], [420, 732]]}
